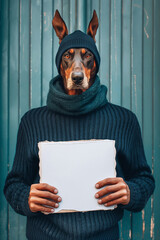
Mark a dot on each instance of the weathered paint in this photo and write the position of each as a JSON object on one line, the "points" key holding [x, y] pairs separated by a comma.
{"points": [[128, 41]]}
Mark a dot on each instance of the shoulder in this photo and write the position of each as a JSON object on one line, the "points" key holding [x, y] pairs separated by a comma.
{"points": [[120, 113], [36, 116], [35, 113]]}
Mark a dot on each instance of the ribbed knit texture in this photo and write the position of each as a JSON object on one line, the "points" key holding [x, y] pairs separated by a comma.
{"points": [[77, 39], [90, 100], [108, 122]]}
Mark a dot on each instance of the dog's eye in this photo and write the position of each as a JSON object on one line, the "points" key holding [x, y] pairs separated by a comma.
{"points": [[87, 56], [67, 56]]}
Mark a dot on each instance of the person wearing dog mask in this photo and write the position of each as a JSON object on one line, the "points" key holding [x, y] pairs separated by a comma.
{"points": [[77, 109]]}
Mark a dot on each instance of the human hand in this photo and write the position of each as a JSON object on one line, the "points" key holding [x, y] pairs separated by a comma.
{"points": [[43, 198], [116, 189]]}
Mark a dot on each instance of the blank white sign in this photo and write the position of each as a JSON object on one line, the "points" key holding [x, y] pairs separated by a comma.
{"points": [[74, 167]]}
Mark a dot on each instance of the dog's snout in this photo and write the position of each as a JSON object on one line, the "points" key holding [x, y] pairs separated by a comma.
{"points": [[77, 77]]}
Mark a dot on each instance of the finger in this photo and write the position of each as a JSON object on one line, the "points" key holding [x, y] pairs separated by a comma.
{"points": [[40, 208], [113, 196], [110, 189], [121, 200], [41, 201], [45, 187], [108, 181], [46, 195]]}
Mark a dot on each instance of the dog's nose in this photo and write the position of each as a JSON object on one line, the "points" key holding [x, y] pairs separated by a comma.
{"points": [[77, 77]]}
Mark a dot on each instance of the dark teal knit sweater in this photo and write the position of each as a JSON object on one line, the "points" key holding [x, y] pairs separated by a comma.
{"points": [[107, 121]]}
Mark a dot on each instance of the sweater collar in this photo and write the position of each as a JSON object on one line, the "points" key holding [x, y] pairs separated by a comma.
{"points": [[90, 100]]}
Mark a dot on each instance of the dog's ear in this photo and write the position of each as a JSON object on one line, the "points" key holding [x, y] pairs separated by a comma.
{"points": [[59, 26], [93, 25]]}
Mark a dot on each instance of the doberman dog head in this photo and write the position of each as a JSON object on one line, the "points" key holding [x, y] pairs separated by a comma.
{"points": [[77, 66]]}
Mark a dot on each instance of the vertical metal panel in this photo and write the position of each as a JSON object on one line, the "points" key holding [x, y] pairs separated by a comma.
{"points": [[23, 78], [57, 5], [35, 53], [89, 11], [4, 20], [46, 47], [95, 5], [23, 53], [126, 87], [104, 45], [128, 42], [147, 101], [126, 53], [13, 69], [72, 16], [115, 79], [156, 119], [137, 16], [81, 10]]}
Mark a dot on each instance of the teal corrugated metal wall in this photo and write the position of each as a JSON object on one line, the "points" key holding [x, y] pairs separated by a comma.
{"points": [[129, 43]]}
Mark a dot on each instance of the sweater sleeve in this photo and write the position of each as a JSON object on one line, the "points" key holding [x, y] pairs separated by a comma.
{"points": [[138, 177], [19, 180]]}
